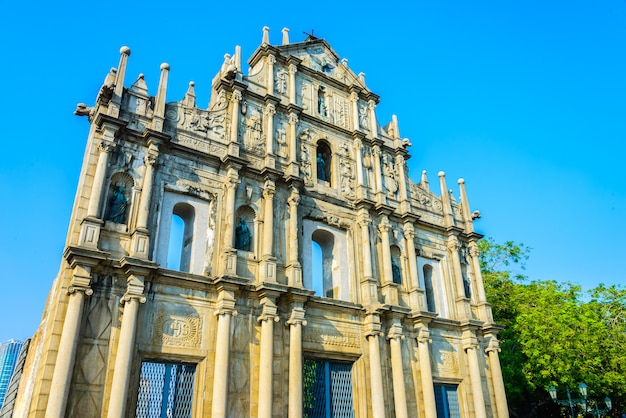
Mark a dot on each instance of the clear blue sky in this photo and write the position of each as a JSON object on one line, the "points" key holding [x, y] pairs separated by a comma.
{"points": [[524, 99]]}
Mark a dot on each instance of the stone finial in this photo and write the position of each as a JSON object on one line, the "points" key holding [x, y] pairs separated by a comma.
{"points": [[121, 71], [362, 77], [467, 217], [396, 129], [237, 58], [266, 35], [448, 218], [190, 97], [285, 36], [159, 107], [424, 183]]}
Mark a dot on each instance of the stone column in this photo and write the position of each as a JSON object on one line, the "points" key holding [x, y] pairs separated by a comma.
{"points": [[384, 227], [230, 253], [472, 348], [106, 147], [405, 205], [373, 123], [354, 99], [474, 252], [225, 311], [428, 390], [369, 286], [293, 269], [358, 156], [380, 196], [125, 346], [268, 261], [395, 337], [141, 234], [496, 377], [292, 83], [62, 375], [293, 169], [372, 332], [270, 111], [271, 60], [462, 302], [233, 146], [295, 323], [416, 295], [266, 356]]}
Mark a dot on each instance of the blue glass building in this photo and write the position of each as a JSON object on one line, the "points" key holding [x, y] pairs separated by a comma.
{"points": [[9, 351]]}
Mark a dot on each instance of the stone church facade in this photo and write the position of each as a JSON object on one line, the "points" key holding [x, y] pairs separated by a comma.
{"points": [[268, 256]]}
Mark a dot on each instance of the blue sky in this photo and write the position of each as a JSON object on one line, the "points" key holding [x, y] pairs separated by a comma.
{"points": [[523, 99]]}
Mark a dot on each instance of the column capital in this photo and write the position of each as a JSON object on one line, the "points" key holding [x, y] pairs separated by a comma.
{"points": [[293, 118], [423, 336], [409, 230], [494, 345], [453, 243], [294, 198], [384, 225], [270, 109], [474, 250], [236, 97], [371, 104], [297, 317], [134, 289], [354, 96], [293, 68], [269, 189], [271, 59], [106, 146], [470, 343], [373, 326], [376, 150], [395, 332]]}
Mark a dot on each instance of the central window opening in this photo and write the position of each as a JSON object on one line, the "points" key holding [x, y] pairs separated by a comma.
{"points": [[165, 390], [322, 259], [327, 389]]}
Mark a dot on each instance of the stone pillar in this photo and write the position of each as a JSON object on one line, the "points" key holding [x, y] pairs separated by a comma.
{"points": [[373, 123], [271, 60], [293, 268], [395, 337], [474, 252], [462, 302], [360, 180], [116, 100], [230, 253], [405, 205], [369, 286], [428, 390], [141, 234], [225, 311], [295, 323], [106, 147], [233, 146], [266, 356], [372, 332], [378, 179], [125, 346], [383, 228], [472, 348], [62, 375], [496, 377], [416, 294], [268, 261], [293, 169], [293, 69], [354, 99], [270, 111]]}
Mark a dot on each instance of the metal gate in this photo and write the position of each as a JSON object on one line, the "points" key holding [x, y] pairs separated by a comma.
{"points": [[327, 389], [165, 390]]}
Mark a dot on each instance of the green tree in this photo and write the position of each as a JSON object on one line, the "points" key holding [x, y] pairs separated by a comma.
{"points": [[555, 333]]}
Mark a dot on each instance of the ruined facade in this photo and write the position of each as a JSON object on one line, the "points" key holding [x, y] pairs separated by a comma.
{"points": [[268, 256]]}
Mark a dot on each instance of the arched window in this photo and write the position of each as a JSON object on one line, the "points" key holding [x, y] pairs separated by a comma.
{"points": [[428, 284], [396, 264], [323, 160], [181, 237], [323, 264]]}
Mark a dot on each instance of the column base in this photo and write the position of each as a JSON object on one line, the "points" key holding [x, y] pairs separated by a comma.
{"points": [[390, 294], [230, 261]]}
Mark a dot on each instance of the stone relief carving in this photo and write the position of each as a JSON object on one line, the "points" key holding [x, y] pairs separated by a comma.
{"points": [[253, 134], [340, 112], [347, 178], [177, 330], [364, 119], [305, 163], [327, 337], [369, 167], [281, 81], [389, 173], [281, 141]]}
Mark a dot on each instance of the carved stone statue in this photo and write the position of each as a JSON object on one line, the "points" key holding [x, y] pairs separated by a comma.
{"points": [[395, 269], [118, 204], [242, 236], [321, 168]]}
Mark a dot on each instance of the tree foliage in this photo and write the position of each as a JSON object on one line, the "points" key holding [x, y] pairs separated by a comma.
{"points": [[555, 333]]}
